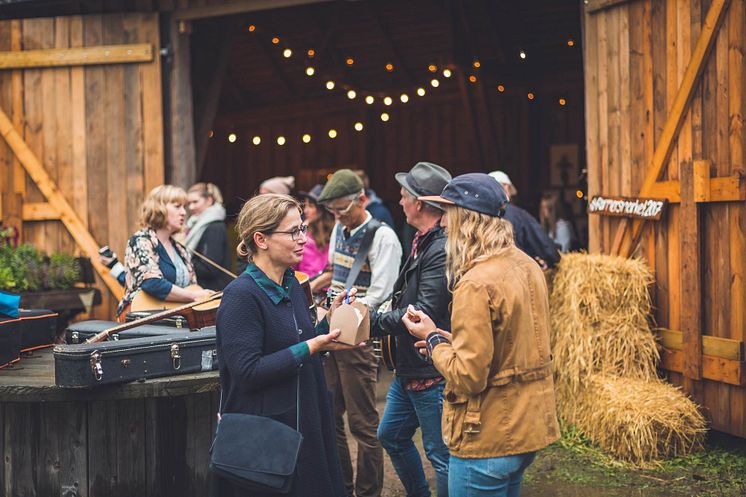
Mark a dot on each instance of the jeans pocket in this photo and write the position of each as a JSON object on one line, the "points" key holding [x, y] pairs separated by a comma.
{"points": [[503, 467]]}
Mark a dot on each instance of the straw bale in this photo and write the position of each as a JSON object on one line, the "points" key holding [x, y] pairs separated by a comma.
{"points": [[600, 308], [638, 421]]}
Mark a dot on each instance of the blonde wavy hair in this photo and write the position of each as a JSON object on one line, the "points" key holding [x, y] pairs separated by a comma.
{"points": [[261, 214], [153, 211], [472, 238], [207, 190]]}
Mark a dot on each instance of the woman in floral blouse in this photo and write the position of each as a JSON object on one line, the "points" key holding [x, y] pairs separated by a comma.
{"points": [[154, 262]]}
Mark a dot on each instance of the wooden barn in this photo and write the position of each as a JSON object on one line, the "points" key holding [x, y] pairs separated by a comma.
{"points": [[101, 100], [665, 100]]}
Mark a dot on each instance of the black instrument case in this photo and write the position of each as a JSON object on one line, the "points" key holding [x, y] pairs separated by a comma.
{"points": [[83, 330], [121, 361]]}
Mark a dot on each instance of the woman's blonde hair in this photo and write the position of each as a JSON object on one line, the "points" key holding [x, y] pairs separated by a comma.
{"points": [[472, 238], [262, 214], [153, 211], [207, 190]]}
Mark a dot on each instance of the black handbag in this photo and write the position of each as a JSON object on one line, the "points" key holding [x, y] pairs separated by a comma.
{"points": [[255, 452]]}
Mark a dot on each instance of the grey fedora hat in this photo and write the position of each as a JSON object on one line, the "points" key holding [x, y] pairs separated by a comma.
{"points": [[424, 179]]}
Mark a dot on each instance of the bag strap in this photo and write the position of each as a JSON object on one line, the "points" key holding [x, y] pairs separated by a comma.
{"points": [[362, 253]]}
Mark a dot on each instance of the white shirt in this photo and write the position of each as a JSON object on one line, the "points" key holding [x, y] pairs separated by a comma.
{"points": [[384, 258]]}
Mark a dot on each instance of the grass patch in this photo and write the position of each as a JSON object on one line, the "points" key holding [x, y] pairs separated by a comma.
{"points": [[575, 463]]}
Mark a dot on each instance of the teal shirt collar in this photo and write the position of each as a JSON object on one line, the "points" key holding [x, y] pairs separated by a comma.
{"points": [[275, 292]]}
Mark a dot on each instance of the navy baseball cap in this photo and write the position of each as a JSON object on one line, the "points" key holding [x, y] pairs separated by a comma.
{"points": [[473, 191]]}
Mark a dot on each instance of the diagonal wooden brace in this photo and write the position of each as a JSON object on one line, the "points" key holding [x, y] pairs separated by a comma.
{"points": [[624, 245], [57, 201]]}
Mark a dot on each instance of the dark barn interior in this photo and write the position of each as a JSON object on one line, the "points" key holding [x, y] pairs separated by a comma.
{"points": [[513, 98]]}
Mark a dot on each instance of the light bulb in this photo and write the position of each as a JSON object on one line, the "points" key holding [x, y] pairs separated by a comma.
{"points": [[387, 100], [384, 117], [281, 140], [332, 133], [404, 98], [421, 92], [310, 71], [275, 40], [232, 138], [330, 85], [369, 100], [432, 68], [447, 73], [435, 83], [306, 138], [287, 53], [358, 126], [256, 140], [351, 94], [522, 54]]}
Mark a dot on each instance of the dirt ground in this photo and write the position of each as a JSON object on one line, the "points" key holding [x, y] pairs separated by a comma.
{"points": [[573, 468]]}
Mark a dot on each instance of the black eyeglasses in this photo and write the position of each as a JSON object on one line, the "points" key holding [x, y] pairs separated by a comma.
{"points": [[294, 233]]}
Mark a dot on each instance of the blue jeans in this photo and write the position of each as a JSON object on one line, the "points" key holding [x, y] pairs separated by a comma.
{"points": [[405, 411], [488, 477]]}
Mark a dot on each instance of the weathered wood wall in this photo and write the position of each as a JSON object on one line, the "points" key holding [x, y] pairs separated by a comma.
{"points": [[155, 447], [636, 54], [96, 129]]}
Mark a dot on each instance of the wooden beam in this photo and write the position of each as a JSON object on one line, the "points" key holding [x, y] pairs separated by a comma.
{"points": [[238, 7], [691, 272], [592, 6], [724, 348], [39, 211], [713, 368], [181, 165], [728, 189], [624, 245], [48, 188], [84, 56], [205, 114]]}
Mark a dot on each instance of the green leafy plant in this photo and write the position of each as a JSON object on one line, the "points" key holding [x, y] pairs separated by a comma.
{"points": [[28, 269]]}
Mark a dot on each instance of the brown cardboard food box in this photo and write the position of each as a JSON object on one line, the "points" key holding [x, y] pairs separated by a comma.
{"points": [[354, 322]]}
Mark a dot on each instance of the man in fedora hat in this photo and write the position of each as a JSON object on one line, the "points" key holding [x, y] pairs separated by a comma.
{"points": [[415, 397]]}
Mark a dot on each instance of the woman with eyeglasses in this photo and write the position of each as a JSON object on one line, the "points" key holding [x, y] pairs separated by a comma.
{"points": [[268, 348]]}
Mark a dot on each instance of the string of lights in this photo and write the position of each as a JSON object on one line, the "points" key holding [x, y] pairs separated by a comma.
{"points": [[444, 72]]}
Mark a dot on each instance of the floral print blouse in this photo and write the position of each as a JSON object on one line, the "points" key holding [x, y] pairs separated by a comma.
{"points": [[142, 262]]}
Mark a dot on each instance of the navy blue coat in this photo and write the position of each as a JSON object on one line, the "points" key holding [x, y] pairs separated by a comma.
{"points": [[258, 373]]}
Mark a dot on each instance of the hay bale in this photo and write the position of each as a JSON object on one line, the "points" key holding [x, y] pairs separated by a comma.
{"points": [[635, 420], [600, 308]]}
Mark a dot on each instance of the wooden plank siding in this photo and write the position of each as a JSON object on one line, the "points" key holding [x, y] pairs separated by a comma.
{"points": [[639, 51], [97, 130]]}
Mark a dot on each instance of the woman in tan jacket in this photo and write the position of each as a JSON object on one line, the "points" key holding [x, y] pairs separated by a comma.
{"points": [[499, 406]]}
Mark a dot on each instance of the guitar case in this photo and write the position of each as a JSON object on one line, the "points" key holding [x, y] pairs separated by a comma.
{"points": [[121, 361], [38, 328], [172, 321], [83, 330], [10, 341]]}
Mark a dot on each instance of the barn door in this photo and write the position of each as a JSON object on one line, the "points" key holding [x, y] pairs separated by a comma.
{"points": [[82, 120]]}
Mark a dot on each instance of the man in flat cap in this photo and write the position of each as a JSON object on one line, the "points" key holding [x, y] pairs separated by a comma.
{"points": [[415, 398], [364, 253]]}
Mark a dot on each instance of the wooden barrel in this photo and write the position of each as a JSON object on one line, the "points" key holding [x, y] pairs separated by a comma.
{"points": [[148, 438]]}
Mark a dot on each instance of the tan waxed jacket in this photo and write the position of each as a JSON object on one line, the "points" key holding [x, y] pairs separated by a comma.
{"points": [[499, 395]]}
